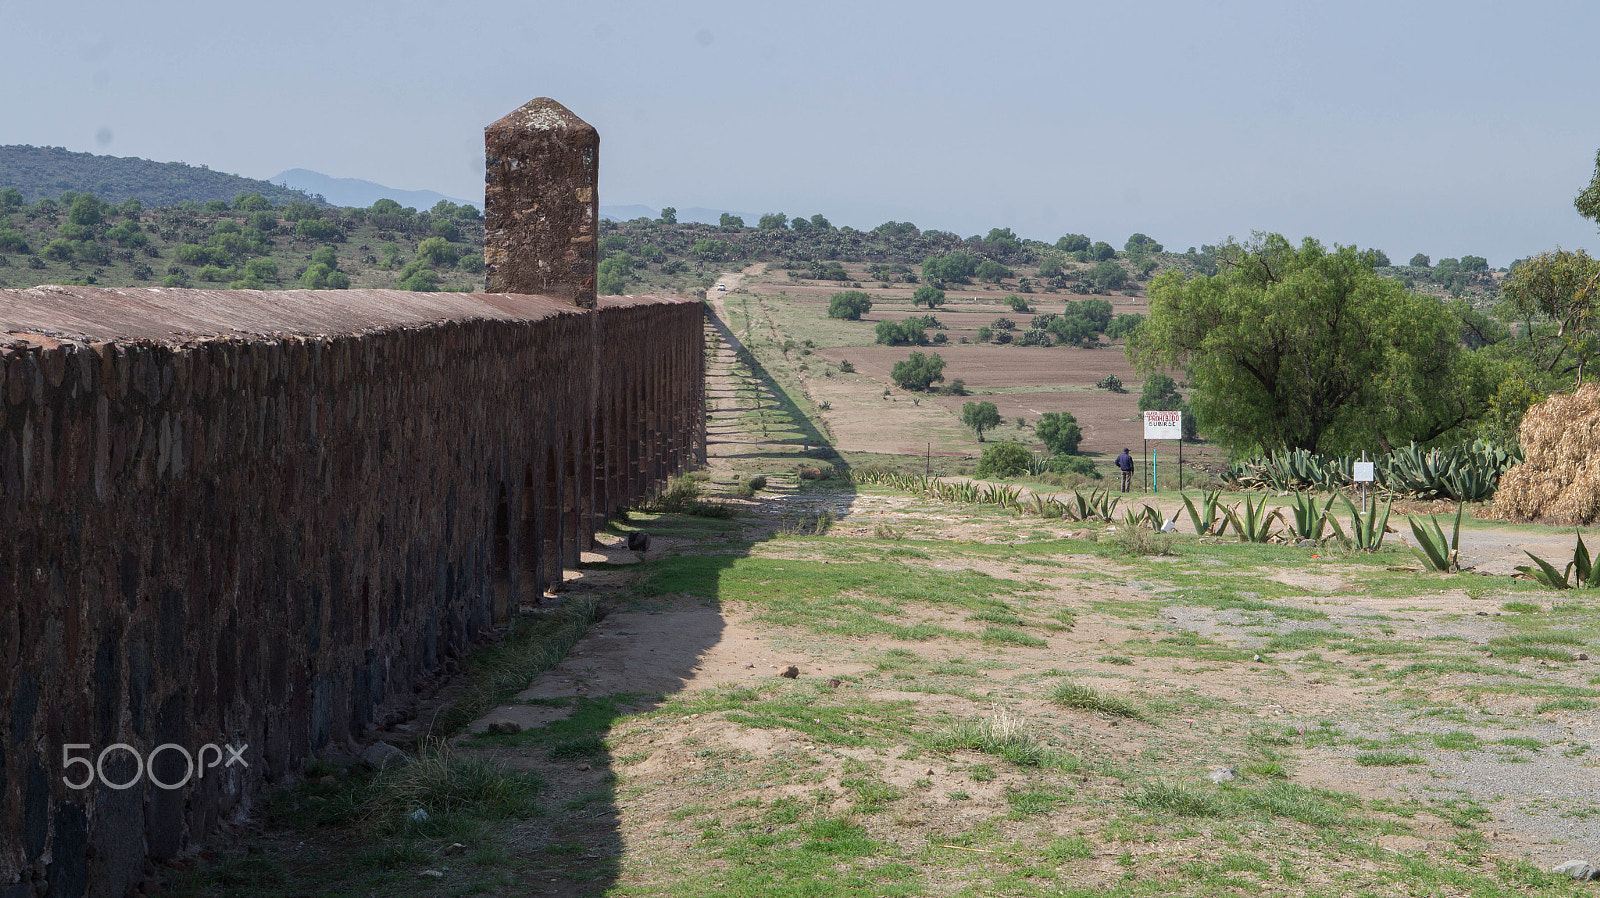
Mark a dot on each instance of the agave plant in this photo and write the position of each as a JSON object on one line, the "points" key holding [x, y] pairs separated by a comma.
{"points": [[1309, 519], [1105, 506], [1048, 508], [1366, 528], [1255, 524], [1588, 573], [1433, 549], [1206, 518]]}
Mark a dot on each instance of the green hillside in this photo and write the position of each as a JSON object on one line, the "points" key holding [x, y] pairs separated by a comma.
{"points": [[249, 243], [40, 172]]}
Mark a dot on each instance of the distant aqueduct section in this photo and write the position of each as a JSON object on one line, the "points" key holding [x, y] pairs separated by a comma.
{"points": [[250, 518]]}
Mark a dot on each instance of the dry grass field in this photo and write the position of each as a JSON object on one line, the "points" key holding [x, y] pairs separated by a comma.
{"points": [[849, 690], [866, 415]]}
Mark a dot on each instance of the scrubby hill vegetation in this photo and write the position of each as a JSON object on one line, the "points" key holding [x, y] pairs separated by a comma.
{"points": [[41, 172], [247, 243]]}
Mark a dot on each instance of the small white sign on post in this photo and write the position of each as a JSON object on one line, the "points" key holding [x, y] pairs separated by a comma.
{"points": [[1363, 472], [1163, 425]]}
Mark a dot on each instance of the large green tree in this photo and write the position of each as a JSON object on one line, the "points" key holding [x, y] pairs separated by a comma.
{"points": [[1557, 296], [849, 305], [980, 416], [1060, 432], [1588, 199], [919, 372], [1305, 348]]}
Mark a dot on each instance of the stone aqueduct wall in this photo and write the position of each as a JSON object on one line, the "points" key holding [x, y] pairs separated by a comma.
{"points": [[251, 518]]}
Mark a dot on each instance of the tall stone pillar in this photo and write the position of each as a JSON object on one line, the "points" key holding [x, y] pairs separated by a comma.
{"points": [[542, 203]]}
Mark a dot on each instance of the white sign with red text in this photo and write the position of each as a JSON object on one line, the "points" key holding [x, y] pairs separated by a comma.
{"points": [[1163, 425]]}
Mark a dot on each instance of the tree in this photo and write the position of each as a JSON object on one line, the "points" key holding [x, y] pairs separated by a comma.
{"points": [[849, 305], [85, 211], [1107, 276], [611, 275], [1588, 200], [952, 268], [1004, 461], [1060, 432], [250, 202], [1051, 267], [1374, 258], [980, 416], [773, 221], [919, 372], [1141, 245], [1160, 394], [1123, 325], [1421, 260], [928, 295], [730, 221], [1101, 251], [902, 333], [1557, 294], [438, 252], [669, 215], [1072, 243], [1303, 348], [992, 271], [820, 223]]}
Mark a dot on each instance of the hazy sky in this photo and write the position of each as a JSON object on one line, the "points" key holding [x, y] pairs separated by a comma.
{"points": [[1436, 127]]}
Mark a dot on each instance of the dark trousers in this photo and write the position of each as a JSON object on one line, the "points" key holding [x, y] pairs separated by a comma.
{"points": [[1127, 480]]}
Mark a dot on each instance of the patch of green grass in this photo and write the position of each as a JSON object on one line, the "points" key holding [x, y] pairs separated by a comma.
{"points": [[997, 617], [1004, 736], [494, 674], [1032, 801], [872, 794], [1386, 759], [1266, 770], [855, 598], [1521, 742], [845, 721], [1008, 636], [1521, 607], [1181, 799], [1299, 640], [1566, 704], [1457, 740], [1085, 698], [1435, 668], [442, 785], [582, 747], [1115, 659]]}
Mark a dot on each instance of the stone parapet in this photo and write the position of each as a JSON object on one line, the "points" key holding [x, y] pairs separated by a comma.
{"points": [[240, 518]]}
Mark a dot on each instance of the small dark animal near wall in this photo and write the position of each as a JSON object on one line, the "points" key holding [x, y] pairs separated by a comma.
{"points": [[639, 541]]}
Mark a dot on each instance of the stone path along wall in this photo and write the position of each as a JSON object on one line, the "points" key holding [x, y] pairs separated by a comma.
{"points": [[249, 518]]}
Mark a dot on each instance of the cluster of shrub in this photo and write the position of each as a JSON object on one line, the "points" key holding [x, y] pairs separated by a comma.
{"points": [[232, 243]]}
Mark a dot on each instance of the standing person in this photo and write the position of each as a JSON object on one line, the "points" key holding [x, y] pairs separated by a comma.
{"points": [[1125, 465]]}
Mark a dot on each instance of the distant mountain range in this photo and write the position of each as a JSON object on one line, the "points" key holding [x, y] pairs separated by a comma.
{"points": [[356, 192], [40, 172]]}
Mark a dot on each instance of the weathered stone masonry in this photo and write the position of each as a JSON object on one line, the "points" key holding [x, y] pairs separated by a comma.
{"points": [[245, 517], [214, 538]]}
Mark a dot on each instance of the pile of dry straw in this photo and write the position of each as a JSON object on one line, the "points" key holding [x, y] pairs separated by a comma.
{"points": [[1560, 480]]}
